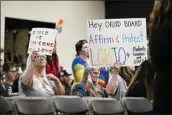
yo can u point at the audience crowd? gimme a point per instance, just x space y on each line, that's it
44 76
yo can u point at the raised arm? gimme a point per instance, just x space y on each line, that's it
112 85
26 78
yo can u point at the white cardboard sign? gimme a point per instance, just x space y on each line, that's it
123 40
42 40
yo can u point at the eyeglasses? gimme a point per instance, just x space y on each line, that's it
12 71
40 56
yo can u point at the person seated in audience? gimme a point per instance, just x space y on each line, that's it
10 73
52 66
35 81
121 86
15 87
63 76
1 50
89 85
160 30
142 84
127 73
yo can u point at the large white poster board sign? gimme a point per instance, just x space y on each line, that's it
122 40
42 40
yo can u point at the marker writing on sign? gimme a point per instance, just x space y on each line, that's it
112 24
120 55
137 23
130 38
105 56
40 32
139 52
99 39
91 24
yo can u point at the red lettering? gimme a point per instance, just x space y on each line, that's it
92 58
100 50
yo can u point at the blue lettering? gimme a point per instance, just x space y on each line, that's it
131 38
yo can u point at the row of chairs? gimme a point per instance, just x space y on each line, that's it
73 105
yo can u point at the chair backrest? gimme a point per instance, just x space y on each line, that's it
89 99
106 107
5 107
70 105
137 105
11 99
33 106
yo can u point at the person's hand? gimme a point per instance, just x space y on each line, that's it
116 68
53 78
34 56
92 92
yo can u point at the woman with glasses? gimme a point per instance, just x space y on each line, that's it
10 74
35 81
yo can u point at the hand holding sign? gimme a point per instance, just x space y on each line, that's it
116 68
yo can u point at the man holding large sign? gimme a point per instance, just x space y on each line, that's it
42 40
122 40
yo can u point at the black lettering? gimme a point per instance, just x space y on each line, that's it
112 24
91 24
46 32
139 23
107 24
40 37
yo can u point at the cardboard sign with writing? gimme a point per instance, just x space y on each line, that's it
122 40
42 40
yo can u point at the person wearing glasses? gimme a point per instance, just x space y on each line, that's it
10 73
35 81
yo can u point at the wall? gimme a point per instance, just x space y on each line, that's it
73 13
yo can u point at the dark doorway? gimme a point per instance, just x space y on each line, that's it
17 38
128 8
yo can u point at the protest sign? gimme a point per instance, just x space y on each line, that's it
123 40
42 40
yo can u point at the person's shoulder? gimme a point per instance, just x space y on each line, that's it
76 60
79 61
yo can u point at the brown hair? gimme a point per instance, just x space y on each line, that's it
126 74
78 46
8 66
145 74
159 7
